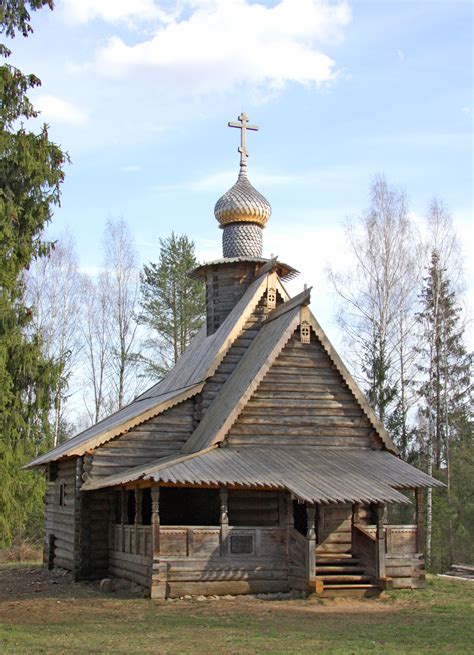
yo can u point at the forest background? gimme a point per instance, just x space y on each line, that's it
76 346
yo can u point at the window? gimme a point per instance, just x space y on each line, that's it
305 332
62 494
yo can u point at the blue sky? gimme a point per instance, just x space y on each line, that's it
140 93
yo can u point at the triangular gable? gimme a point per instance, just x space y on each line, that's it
352 384
250 372
186 379
235 393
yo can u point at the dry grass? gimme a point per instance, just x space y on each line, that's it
22 550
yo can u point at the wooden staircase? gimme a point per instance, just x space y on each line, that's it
341 574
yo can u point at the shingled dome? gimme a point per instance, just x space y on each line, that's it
242 204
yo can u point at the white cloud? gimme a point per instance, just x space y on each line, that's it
59 111
219 45
222 180
112 11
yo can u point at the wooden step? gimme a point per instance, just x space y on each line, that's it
352 580
339 568
350 591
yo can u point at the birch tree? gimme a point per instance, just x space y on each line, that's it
376 297
53 285
120 282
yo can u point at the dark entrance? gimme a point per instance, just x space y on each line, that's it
300 517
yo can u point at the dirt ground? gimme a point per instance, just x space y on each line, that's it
45 612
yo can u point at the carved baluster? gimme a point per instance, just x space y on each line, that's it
123 516
224 521
380 563
311 537
138 518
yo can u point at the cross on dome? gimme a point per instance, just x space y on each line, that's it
243 126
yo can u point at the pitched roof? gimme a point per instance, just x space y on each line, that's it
314 474
198 362
249 372
141 409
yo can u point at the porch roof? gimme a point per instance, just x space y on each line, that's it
314 474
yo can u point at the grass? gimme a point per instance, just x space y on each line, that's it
43 617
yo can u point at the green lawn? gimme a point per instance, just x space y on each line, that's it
38 616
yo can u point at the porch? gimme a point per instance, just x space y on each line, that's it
260 542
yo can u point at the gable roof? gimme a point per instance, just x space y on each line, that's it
186 379
249 372
314 474
254 365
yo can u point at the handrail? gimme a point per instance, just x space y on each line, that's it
365 533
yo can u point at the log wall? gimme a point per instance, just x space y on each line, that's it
160 436
130 553
248 560
225 286
303 400
61 519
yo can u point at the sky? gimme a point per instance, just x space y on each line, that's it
139 94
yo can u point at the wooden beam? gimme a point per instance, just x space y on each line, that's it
380 545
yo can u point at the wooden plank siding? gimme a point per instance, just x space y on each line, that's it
161 436
302 400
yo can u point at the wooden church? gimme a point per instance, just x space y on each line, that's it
255 465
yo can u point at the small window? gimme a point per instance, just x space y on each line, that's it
62 494
305 332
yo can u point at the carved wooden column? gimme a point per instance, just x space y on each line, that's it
224 521
311 537
159 569
155 521
138 518
380 551
123 516
420 524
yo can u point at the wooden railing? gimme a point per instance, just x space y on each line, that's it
297 560
207 541
133 539
400 540
364 546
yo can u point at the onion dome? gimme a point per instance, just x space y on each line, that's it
242 204
242 212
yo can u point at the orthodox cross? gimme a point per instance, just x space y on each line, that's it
243 125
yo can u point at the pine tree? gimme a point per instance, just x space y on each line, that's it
31 171
172 303
446 395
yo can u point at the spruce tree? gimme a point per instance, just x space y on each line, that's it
31 172
446 395
173 304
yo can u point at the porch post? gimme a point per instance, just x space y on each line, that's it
155 521
159 569
138 518
224 520
311 537
123 516
380 552
420 525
